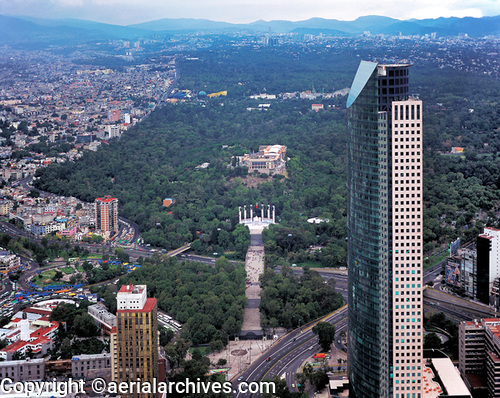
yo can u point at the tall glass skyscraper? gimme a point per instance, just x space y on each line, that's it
384 182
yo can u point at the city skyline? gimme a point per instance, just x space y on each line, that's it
124 12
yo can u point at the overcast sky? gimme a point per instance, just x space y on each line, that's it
123 12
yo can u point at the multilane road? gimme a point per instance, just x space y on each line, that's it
286 356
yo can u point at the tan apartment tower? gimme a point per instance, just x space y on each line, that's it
135 344
384 182
106 214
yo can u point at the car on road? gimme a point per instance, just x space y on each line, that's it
268 359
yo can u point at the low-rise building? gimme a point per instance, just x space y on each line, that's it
8 261
105 319
461 271
269 159
85 366
5 206
29 336
29 369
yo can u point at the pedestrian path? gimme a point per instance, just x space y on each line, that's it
254 266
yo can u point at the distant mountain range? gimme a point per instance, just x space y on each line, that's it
28 30
475 27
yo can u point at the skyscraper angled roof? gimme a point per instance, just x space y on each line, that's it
364 72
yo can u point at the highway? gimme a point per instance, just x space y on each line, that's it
287 354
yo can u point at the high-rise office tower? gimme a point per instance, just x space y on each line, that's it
488 262
106 214
135 344
384 183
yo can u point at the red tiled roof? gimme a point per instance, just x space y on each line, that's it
106 199
39 311
126 289
148 307
16 346
45 330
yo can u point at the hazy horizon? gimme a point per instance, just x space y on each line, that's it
128 12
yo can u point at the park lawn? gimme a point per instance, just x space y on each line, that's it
67 270
92 256
49 274
311 264
47 280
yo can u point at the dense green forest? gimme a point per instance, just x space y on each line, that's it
158 158
208 300
291 301
244 72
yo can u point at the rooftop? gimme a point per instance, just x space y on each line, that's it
106 199
450 377
132 289
148 307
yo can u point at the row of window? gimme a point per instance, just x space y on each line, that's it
408 271
407 140
398 71
13 374
402 286
408 367
406 361
406 299
407 251
408 160
392 82
407 374
407 209
406 188
410 353
405 125
407 279
406 292
404 112
407 146
407 230
407 223
391 91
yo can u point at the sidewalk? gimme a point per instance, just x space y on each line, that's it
240 354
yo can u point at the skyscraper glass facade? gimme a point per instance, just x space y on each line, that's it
374 233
